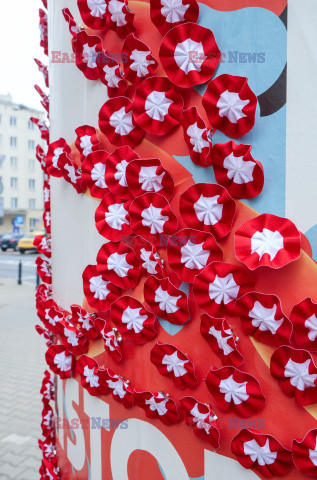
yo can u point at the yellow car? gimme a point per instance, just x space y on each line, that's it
26 242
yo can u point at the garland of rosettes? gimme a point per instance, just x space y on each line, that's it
135 216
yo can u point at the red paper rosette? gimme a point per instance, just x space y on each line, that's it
111 338
117 122
44 269
230 105
152 217
190 251
201 417
111 75
52 317
157 405
305 454
166 301
60 361
116 166
173 363
189 54
236 170
133 320
219 285
157 105
46 194
71 172
235 391
41 157
88 52
93 171
304 320
87 140
208 207
112 217
267 240
166 14
43 245
72 339
92 377
99 292
196 137
151 262
262 318
94 13
221 339
55 150
44 70
121 18
85 320
120 389
138 62
148 175
296 374
262 453
118 263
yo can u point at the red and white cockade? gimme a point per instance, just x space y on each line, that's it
151 217
93 171
46 194
88 52
190 251
60 361
118 263
236 170
166 14
92 377
262 318
223 342
85 320
43 128
120 389
52 317
74 29
41 157
201 417
110 74
267 240
149 176
87 140
133 320
304 319
219 285
55 150
261 452
151 263
47 424
116 166
138 62
230 105
45 98
235 391
196 137
208 207
121 18
112 339
75 341
94 13
304 453
71 172
43 245
99 292
47 220
157 105
44 334
44 70
173 363
296 374
157 405
189 54
166 301
44 269
112 217
117 122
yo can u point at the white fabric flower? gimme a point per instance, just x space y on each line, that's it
150 181
149 264
86 145
115 7
116 216
174 10
159 407
63 361
157 105
200 419
117 387
238 170
118 263
264 318
71 337
90 55
223 289
152 217
230 105
299 375
140 62
111 76
175 364
51 320
122 121
189 55
72 174
267 241
196 137
133 318
91 378
208 210
99 287
167 302
311 324
194 256
234 391
97 8
120 174
110 341
98 175
56 154
221 340
262 455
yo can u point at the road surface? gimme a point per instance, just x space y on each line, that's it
9 262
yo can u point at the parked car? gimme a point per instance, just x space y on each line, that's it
26 242
10 240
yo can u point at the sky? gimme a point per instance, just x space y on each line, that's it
19 44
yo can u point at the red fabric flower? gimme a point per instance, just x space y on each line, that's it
189 54
157 405
166 301
117 122
157 105
296 374
152 217
92 377
223 342
304 320
44 70
305 454
235 391
230 105
201 417
112 339
87 140
219 285
41 157
52 316
45 334
47 389
267 240
99 292
116 166
112 217
55 150
208 207
151 262
148 175
133 320
60 361
85 320
75 341
88 52
262 318
262 453
43 31
43 128
44 269
111 75
43 245
72 25
236 170
94 13
71 172
121 18
93 171
166 14
138 62
45 99
118 263
47 220
46 194
189 251
47 424
48 449
173 363
196 137
120 389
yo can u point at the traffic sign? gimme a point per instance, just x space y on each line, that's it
18 221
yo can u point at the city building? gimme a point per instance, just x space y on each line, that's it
21 177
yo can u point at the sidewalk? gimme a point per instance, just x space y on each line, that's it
21 371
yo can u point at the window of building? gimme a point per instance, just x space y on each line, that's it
30 125
13 141
33 223
31 165
14 182
14 163
31 145
32 203
13 121
31 184
14 202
